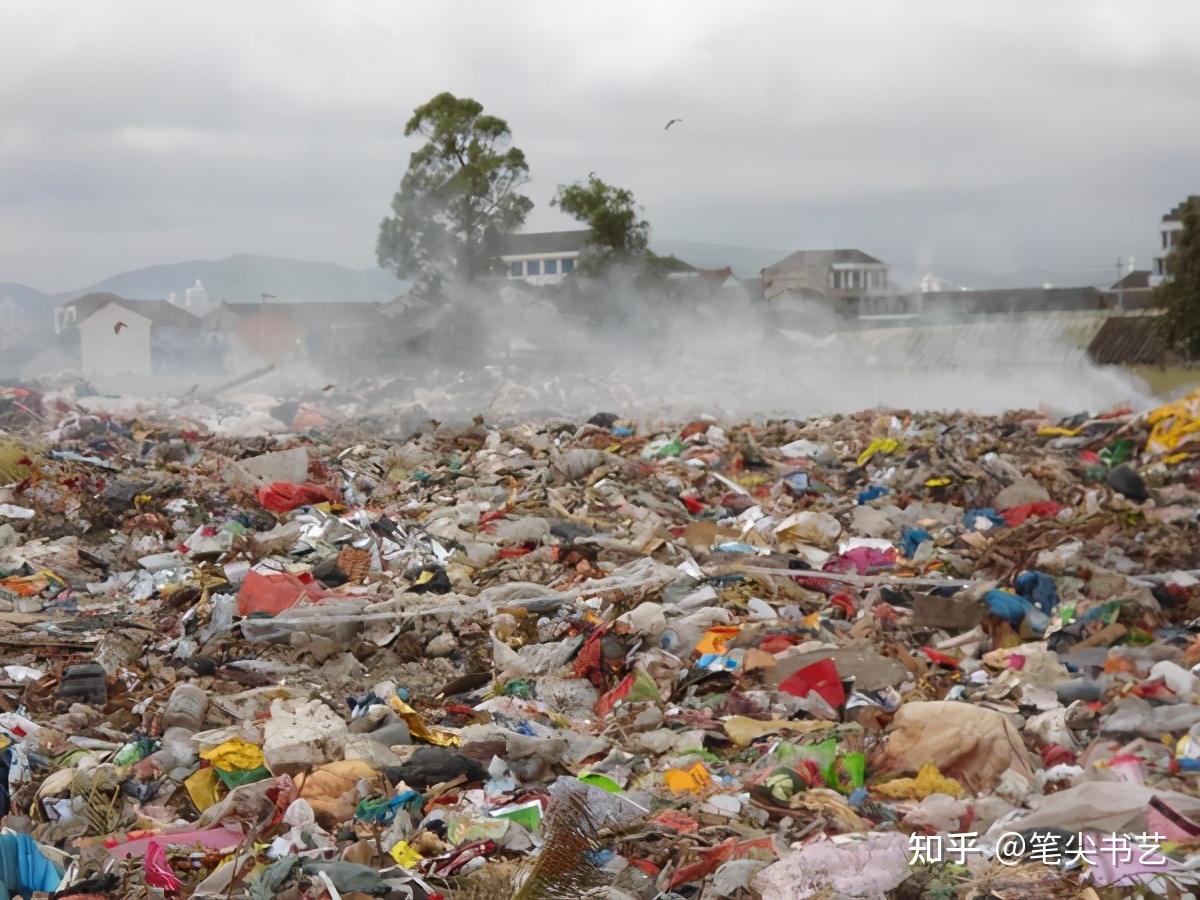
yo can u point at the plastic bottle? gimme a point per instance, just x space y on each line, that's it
186 708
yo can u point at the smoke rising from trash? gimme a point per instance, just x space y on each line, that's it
663 351
647 353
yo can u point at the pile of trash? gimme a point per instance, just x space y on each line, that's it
891 654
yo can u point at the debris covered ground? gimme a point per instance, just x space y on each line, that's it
842 657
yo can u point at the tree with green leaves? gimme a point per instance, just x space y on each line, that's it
1180 295
459 197
618 233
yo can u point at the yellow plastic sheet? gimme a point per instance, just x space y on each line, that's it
937 482
235 755
1175 425
688 781
421 729
879 445
405 856
203 786
929 780
1057 431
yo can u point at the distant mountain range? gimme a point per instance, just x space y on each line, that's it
22 295
246 277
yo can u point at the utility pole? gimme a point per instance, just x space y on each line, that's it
1120 289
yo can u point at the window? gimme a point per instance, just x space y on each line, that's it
514 270
1164 235
552 267
568 266
533 267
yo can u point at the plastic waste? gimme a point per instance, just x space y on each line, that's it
186 707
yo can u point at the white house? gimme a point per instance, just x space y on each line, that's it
546 257
133 337
1170 231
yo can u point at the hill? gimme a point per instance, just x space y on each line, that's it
22 295
247 277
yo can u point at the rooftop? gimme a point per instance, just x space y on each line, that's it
1137 280
826 258
1176 214
546 242
159 312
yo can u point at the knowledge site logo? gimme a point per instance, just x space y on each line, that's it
1052 848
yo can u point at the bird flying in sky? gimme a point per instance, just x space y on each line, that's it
672 122
117 326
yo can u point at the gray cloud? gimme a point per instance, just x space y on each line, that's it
988 136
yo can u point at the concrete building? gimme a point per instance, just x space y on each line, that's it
134 337
843 283
334 335
542 258
1170 230
835 274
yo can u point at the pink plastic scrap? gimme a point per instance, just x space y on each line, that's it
220 838
158 870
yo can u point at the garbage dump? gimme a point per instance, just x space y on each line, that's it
264 649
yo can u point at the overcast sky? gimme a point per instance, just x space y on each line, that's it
991 136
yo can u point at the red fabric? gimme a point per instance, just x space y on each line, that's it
284 496
275 593
1016 515
822 677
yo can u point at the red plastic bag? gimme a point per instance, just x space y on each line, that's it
942 659
822 677
276 593
1016 515
284 496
